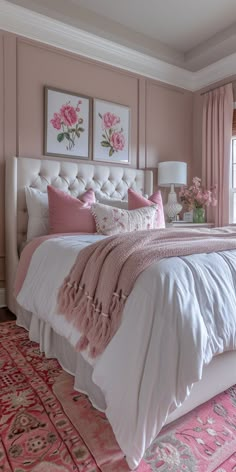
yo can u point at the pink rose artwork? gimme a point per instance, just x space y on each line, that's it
68 115
118 141
68 121
109 120
56 121
113 136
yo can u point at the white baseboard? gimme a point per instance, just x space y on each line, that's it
2 297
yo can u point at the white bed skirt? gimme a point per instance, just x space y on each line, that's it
219 375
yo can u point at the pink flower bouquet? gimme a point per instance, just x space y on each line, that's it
68 121
113 137
197 197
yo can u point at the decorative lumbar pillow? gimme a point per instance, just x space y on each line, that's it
111 220
37 207
135 200
69 214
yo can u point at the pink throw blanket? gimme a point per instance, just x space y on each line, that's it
93 294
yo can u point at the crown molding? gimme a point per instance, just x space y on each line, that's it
215 72
32 25
2 297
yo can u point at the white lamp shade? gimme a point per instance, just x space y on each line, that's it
172 172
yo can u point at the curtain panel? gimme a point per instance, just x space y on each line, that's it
216 149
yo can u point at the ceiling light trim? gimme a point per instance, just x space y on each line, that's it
33 25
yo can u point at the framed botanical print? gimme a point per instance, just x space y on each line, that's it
111 129
67 124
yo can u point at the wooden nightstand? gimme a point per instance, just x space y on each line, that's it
184 224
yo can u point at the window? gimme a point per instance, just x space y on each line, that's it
233 183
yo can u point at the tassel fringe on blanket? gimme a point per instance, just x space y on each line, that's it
93 295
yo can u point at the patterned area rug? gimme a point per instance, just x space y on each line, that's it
46 426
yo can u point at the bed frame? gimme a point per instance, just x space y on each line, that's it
109 181
74 177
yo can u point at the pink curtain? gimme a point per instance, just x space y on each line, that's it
216 149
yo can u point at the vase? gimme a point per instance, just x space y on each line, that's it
199 215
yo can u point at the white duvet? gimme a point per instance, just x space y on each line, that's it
181 312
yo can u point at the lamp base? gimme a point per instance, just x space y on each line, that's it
172 207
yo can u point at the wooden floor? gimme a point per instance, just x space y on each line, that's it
6 315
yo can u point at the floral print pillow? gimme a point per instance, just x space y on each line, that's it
111 220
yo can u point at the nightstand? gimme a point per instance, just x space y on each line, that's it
184 224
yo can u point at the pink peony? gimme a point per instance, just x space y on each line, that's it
109 120
68 115
118 141
196 182
56 121
197 197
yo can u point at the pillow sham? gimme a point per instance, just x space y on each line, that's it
68 214
135 201
37 207
87 197
112 220
38 212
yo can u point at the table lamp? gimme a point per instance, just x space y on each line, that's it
171 174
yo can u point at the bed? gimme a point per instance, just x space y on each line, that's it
94 378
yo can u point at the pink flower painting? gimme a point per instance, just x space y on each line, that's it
68 115
68 121
118 141
56 121
109 120
112 133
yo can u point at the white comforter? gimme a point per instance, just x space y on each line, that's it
181 312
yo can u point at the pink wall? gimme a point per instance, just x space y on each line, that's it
161 115
169 124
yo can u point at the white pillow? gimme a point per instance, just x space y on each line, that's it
37 206
113 202
111 220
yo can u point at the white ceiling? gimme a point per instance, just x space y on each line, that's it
181 24
188 33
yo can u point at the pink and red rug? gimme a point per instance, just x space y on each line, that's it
46 426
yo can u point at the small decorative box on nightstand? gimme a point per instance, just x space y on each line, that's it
183 224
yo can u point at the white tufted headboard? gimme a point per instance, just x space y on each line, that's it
74 177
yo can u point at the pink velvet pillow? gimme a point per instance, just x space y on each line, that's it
68 214
135 200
